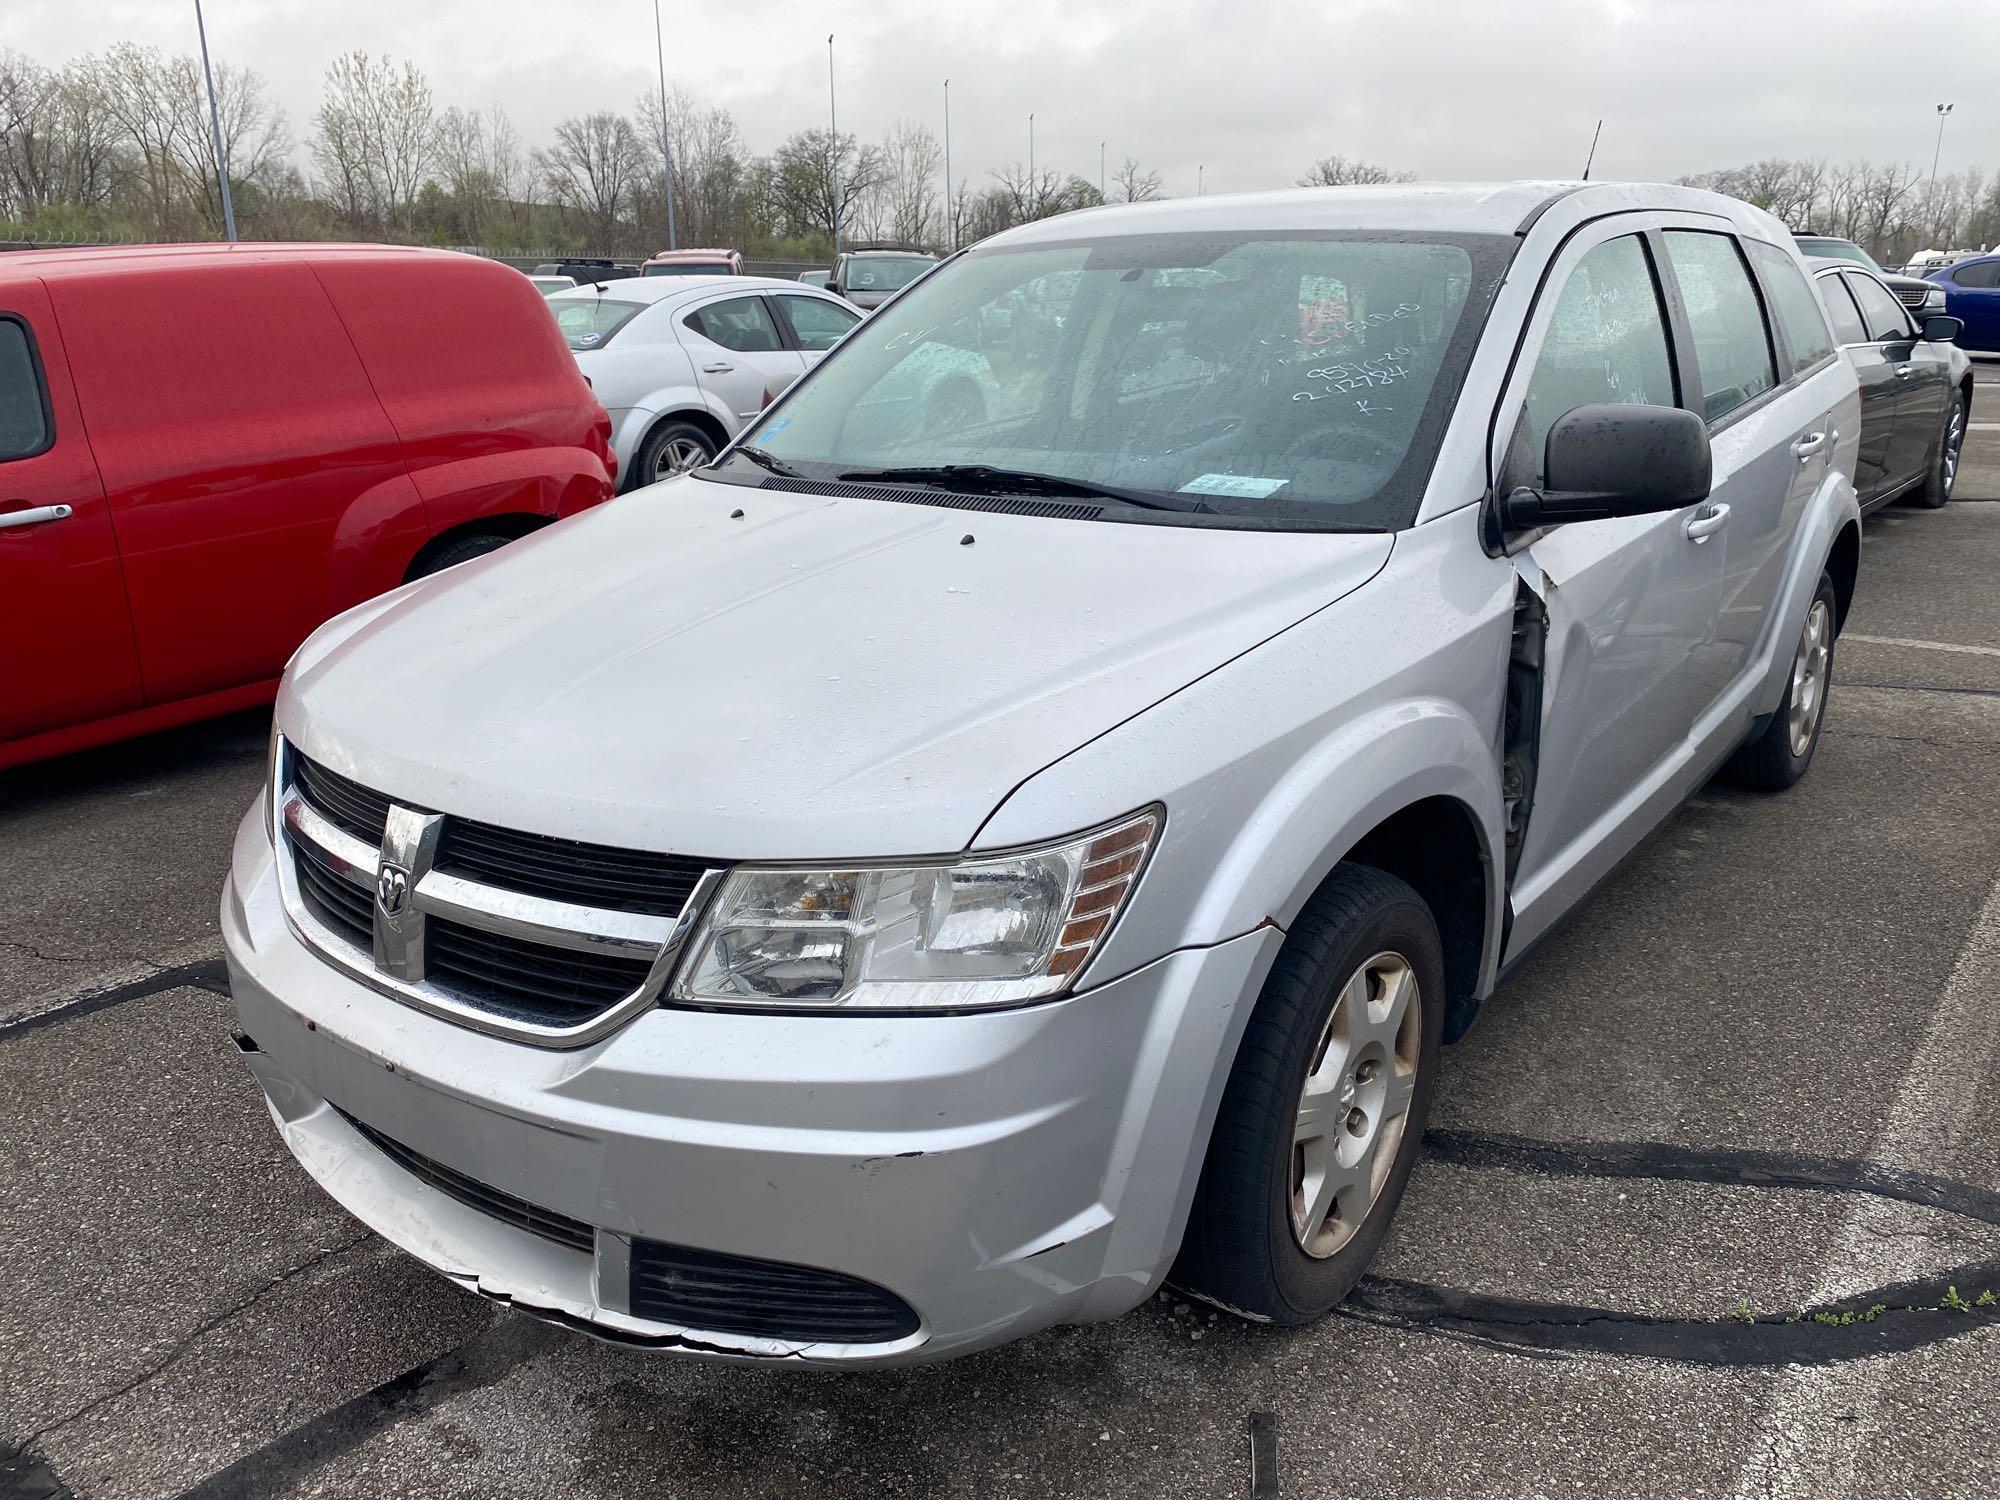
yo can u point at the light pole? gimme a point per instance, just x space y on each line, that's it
1106 197
666 138
1943 110
833 127
950 223
1198 188
215 127
1032 194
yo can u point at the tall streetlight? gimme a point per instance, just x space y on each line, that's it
1032 194
215 127
1943 110
950 223
1198 188
833 126
1106 197
666 138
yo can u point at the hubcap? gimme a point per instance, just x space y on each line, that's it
678 455
1355 1102
1954 439
1809 675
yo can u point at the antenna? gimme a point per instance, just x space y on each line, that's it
1593 150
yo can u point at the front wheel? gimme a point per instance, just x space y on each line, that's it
1779 756
671 448
1323 1114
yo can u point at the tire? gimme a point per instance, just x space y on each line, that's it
671 448
463 550
1246 1249
1944 464
1779 756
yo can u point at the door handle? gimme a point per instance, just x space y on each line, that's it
1709 520
1904 372
1808 445
35 517
717 369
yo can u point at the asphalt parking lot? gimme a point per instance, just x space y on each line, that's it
1711 1205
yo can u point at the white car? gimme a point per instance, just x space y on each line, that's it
681 363
548 286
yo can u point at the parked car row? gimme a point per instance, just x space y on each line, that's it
1042 849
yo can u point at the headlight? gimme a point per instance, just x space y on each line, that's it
991 929
1934 297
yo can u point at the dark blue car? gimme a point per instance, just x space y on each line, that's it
1972 293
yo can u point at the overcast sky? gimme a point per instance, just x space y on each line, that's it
1249 89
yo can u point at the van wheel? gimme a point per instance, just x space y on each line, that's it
671 448
1780 755
1324 1112
463 550
1944 467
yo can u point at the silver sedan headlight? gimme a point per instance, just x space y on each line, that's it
964 934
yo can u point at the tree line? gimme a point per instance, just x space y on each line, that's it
116 146
1891 211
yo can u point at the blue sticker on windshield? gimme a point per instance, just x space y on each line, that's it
778 426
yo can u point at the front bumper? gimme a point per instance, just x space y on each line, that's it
999 1172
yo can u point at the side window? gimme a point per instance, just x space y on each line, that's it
1606 343
1847 325
1880 310
1984 273
742 323
817 324
1797 308
1732 347
24 410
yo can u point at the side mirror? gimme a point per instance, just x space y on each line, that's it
1940 328
1605 461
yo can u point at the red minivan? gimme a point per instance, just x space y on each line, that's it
207 450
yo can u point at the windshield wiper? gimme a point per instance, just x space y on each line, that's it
769 461
985 479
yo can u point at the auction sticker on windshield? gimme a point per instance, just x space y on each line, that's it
1247 486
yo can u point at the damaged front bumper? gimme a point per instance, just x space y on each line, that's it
997 1173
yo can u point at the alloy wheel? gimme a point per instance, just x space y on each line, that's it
1356 1100
1809 676
1954 439
677 456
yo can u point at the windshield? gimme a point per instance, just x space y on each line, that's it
885 273
590 322
688 268
1290 379
1839 250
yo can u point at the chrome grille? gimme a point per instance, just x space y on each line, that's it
1912 296
549 940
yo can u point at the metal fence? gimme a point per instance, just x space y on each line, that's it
520 260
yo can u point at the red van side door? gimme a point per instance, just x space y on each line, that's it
66 653
252 475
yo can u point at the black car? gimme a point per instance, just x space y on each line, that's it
584 272
1916 387
1921 297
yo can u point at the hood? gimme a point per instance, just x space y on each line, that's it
817 678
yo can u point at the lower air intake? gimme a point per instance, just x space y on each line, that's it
702 1290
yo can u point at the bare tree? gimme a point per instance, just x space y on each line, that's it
711 166
1132 183
375 138
912 161
815 174
1338 171
592 168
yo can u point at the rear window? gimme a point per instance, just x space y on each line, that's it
592 322
1732 347
24 421
1797 309
885 274
689 268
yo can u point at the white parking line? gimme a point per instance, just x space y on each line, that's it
1819 1416
1896 640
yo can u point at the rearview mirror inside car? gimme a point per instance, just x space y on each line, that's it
1943 329
1605 461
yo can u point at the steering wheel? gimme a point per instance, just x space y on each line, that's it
1384 449
1213 430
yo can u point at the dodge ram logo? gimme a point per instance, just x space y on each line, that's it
392 889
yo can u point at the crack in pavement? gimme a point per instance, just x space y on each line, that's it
187 1342
210 974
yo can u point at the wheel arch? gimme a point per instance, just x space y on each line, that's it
695 416
511 525
1843 565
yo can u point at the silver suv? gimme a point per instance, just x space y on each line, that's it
950 866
